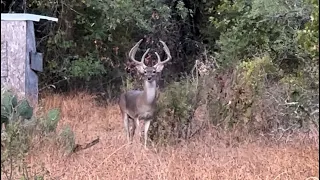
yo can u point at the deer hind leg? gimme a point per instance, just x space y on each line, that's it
146 128
126 126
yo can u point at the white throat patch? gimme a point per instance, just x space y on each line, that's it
150 88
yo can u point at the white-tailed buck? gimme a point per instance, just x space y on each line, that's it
138 105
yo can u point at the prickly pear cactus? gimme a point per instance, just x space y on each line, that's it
24 110
52 119
8 103
12 109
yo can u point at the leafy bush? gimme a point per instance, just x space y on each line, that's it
176 106
308 39
257 96
86 68
15 143
252 28
233 96
67 139
302 103
309 36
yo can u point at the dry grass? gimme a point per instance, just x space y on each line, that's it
204 157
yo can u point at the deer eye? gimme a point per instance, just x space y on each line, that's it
145 71
154 71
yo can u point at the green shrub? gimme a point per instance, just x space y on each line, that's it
233 100
175 111
309 36
67 139
252 28
257 96
302 102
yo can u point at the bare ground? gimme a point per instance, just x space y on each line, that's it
212 155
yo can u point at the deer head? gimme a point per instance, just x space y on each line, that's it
149 73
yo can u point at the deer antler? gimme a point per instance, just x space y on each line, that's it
144 55
133 51
167 51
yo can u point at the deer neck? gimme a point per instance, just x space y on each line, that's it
149 92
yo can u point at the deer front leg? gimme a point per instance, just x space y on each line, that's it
137 123
132 132
146 128
126 126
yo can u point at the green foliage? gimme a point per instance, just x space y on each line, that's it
11 108
302 101
51 120
24 109
254 71
309 36
8 102
236 104
178 97
175 111
119 12
15 143
251 28
53 115
67 139
308 39
83 44
18 136
86 68
257 96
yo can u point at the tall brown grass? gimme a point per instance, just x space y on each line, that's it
212 154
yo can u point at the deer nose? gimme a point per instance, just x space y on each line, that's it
149 78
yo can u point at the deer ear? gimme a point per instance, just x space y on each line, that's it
159 67
140 69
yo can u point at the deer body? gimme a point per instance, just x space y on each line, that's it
140 105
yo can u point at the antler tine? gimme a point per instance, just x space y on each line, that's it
167 51
159 59
144 55
133 51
